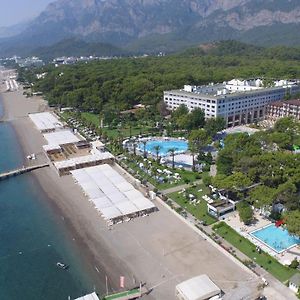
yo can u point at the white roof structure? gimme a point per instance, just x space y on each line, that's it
76 161
61 137
48 148
45 121
197 288
111 194
184 159
92 296
97 144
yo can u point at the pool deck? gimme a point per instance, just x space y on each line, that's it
285 257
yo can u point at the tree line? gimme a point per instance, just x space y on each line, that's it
118 84
266 162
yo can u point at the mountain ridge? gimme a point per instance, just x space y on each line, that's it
132 23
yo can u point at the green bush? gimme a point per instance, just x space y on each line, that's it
206 179
294 264
186 180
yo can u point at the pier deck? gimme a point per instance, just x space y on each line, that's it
22 170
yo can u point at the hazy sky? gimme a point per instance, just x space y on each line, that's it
15 11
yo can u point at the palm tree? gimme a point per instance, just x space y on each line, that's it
193 150
172 152
157 149
120 140
134 144
144 146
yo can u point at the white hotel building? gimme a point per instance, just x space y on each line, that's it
237 101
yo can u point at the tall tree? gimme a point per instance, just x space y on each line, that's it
144 148
157 149
172 152
245 212
196 119
292 219
262 196
214 125
194 150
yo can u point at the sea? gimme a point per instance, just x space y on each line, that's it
33 238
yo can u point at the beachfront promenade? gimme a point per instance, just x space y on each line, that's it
20 171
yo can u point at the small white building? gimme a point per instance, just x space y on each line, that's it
197 288
294 283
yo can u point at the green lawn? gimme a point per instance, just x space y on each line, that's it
200 210
266 261
92 118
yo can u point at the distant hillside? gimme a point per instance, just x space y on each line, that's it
75 47
161 25
236 48
13 30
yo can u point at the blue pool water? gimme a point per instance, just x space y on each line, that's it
165 146
278 239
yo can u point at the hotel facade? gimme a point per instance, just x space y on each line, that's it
237 101
280 109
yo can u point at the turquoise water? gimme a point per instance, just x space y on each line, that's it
33 238
165 146
278 239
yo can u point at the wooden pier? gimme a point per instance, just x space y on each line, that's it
20 171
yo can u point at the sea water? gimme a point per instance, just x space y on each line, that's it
33 238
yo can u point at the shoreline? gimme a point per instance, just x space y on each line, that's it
57 202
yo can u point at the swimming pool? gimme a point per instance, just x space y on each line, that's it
165 145
278 239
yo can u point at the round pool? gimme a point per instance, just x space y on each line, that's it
180 146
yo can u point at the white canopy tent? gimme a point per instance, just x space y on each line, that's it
61 137
45 121
112 195
197 288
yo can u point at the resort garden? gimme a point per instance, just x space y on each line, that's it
156 168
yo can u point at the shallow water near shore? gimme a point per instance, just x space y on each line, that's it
33 238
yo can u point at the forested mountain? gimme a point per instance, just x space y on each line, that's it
75 47
117 84
165 25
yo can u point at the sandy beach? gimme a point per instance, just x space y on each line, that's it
159 250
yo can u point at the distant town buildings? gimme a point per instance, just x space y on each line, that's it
279 109
71 60
237 101
29 62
